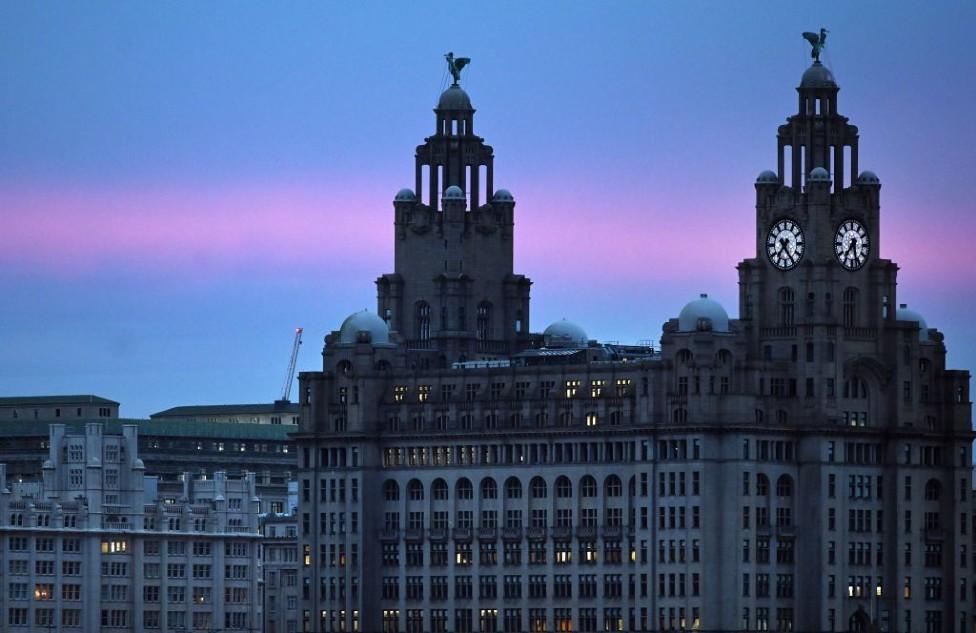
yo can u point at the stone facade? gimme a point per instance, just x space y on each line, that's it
91 548
282 588
806 466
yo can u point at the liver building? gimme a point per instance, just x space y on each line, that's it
804 467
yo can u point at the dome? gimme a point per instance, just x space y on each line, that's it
819 174
453 193
503 195
565 334
904 314
139 464
352 329
868 178
454 99
703 314
768 177
405 195
48 465
818 76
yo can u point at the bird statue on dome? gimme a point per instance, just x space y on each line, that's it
455 64
817 42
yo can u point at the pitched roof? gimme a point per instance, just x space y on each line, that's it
19 401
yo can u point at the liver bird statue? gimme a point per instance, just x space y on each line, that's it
455 64
817 42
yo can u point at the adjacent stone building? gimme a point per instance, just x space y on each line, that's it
170 448
805 466
92 547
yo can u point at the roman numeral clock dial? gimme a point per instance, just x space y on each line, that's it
851 244
785 244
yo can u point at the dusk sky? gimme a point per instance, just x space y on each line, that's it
182 184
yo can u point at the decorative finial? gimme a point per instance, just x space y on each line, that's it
455 64
817 42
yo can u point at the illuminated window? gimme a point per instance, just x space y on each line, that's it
572 386
591 419
596 388
399 393
114 547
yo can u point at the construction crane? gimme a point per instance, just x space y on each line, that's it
290 378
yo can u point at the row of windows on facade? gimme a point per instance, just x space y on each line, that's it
492 421
584 452
539 620
522 390
587 550
558 586
679 551
602 452
177 594
483 323
537 488
668 619
120 618
103 412
120 546
868 554
670 517
786 303
153 444
22 567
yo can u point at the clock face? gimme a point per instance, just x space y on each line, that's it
851 244
785 244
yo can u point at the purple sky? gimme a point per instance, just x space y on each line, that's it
181 185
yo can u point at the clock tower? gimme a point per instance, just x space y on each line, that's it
817 274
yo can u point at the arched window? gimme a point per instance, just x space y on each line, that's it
723 358
564 487
933 490
786 314
612 486
484 321
683 356
489 489
587 486
680 416
463 489
762 485
439 489
782 417
415 490
423 321
391 490
784 486
539 489
850 307
513 488
759 416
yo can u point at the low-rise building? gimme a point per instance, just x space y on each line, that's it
57 408
277 412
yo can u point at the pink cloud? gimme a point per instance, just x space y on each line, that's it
578 235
